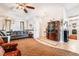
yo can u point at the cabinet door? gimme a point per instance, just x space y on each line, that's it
54 28
51 25
57 25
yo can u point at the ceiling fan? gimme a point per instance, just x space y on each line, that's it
24 6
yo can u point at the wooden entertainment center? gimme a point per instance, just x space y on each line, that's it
53 30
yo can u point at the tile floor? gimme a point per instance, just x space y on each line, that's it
72 45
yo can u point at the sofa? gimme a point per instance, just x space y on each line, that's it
13 35
18 34
9 49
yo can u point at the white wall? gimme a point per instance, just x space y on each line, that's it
1 23
74 11
16 25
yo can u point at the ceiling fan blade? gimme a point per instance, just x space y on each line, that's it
30 7
25 11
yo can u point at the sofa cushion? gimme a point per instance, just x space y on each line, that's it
9 46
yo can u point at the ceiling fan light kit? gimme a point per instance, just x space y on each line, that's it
24 6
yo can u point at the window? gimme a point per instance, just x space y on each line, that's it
7 25
22 25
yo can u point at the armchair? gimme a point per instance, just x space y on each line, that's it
10 48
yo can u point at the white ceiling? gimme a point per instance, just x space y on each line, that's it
8 7
68 6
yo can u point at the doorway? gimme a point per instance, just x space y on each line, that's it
73 29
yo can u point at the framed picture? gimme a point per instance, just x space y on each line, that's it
74 31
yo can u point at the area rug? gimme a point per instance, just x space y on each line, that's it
31 47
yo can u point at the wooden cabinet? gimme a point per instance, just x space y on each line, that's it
53 30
